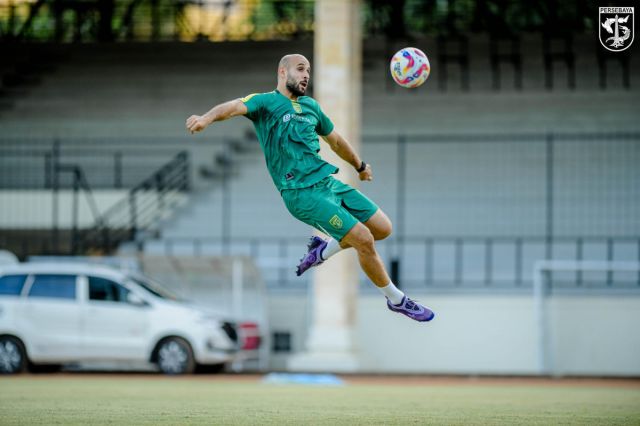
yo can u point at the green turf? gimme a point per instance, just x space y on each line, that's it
208 400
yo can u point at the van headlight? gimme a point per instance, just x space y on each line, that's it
211 344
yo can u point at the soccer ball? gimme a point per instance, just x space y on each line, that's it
409 67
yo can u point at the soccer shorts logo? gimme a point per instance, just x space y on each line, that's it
336 222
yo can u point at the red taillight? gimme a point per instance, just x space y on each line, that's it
250 336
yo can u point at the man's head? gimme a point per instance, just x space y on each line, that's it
294 72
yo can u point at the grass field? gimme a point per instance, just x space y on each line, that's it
211 400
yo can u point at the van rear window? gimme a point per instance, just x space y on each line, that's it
54 286
12 284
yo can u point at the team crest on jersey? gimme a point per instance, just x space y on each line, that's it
616 28
336 222
296 107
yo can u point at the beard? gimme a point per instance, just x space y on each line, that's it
294 87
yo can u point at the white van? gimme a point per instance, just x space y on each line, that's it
58 313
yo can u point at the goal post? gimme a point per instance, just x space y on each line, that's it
540 268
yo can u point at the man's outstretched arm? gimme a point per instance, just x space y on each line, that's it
197 123
345 151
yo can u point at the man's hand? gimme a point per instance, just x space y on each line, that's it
196 123
366 174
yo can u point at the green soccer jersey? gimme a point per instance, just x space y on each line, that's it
288 133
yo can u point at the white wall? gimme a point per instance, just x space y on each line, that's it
484 334
33 209
470 334
595 335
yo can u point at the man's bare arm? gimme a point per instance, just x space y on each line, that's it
345 151
197 123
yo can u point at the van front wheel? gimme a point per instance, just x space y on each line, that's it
13 357
176 357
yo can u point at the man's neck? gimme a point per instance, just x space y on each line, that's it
287 93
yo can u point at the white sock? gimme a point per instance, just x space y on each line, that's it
392 293
332 248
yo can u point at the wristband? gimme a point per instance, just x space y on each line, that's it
362 167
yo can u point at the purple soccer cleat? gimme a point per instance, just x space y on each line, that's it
412 309
312 258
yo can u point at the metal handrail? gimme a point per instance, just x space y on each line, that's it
122 221
79 182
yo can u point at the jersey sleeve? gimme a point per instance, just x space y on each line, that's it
325 125
254 104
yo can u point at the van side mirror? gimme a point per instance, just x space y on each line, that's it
136 300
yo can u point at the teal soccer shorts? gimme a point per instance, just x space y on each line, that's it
330 206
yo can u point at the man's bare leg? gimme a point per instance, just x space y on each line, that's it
379 225
361 239
320 250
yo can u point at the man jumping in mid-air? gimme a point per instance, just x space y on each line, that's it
288 124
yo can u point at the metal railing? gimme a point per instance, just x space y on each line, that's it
29 164
79 182
443 263
539 172
536 171
144 206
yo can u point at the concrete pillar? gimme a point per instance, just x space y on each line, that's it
337 75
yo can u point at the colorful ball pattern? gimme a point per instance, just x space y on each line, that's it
410 67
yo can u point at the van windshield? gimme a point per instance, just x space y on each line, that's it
154 288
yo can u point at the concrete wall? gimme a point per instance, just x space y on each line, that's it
478 334
595 335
